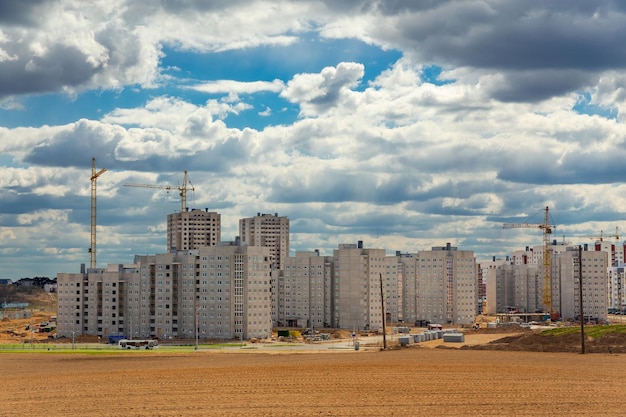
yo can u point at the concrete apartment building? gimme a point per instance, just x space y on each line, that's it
565 278
190 230
615 287
93 302
406 271
519 284
446 285
514 288
356 295
614 250
224 289
302 291
516 283
500 282
344 290
318 291
270 231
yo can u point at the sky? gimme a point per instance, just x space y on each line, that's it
403 124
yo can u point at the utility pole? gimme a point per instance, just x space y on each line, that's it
382 304
197 323
580 294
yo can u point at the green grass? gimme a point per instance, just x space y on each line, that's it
591 331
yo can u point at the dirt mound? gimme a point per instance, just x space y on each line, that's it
497 330
537 342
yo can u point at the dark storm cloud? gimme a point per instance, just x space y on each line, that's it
23 200
177 6
60 66
337 186
326 221
533 86
561 216
575 168
574 39
19 12
385 7
525 34
76 147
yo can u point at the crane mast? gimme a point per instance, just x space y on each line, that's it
546 227
182 189
94 176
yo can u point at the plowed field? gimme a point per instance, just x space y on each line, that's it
404 382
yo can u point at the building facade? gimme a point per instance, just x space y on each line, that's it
303 291
406 293
216 292
344 290
616 298
566 276
193 229
270 231
447 285
518 285
356 294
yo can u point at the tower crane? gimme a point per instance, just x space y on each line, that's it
94 176
182 189
546 228
601 237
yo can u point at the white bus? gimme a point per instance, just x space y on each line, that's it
138 344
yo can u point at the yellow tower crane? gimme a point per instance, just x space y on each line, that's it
182 190
94 176
601 237
546 227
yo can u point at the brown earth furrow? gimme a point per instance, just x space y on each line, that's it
401 382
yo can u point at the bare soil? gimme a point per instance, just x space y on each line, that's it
535 342
403 382
495 372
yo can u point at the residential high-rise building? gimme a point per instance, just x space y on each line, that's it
407 287
94 301
616 294
348 287
614 250
356 295
270 231
190 230
500 281
302 291
221 292
519 284
565 276
446 285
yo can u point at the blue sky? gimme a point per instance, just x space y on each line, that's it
403 124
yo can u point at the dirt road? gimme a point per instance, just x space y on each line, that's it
403 382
